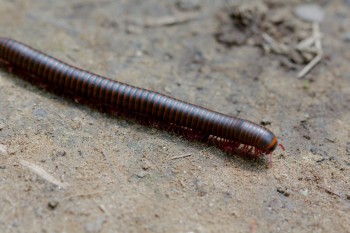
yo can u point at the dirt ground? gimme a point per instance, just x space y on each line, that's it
65 167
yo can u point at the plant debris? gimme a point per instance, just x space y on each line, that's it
276 30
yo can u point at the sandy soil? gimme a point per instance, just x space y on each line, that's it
68 168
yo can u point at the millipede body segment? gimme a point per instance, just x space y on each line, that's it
129 98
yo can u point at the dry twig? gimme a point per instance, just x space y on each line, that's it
110 164
180 156
166 21
328 191
43 174
316 41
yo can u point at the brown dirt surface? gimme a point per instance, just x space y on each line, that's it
65 167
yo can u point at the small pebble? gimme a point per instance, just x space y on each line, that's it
146 166
3 149
265 122
167 57
283 191
280 189
167 89
188 5
142 174
133 29
2 125
304 192
310 12
41 113
61 153
96 225
348 148
52 204
346 38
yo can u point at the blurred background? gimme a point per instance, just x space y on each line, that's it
284 64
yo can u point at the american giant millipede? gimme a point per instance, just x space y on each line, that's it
231 131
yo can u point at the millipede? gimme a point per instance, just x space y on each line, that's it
231 133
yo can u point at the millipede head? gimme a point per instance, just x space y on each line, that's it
272 146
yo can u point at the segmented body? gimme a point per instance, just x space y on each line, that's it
138 100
